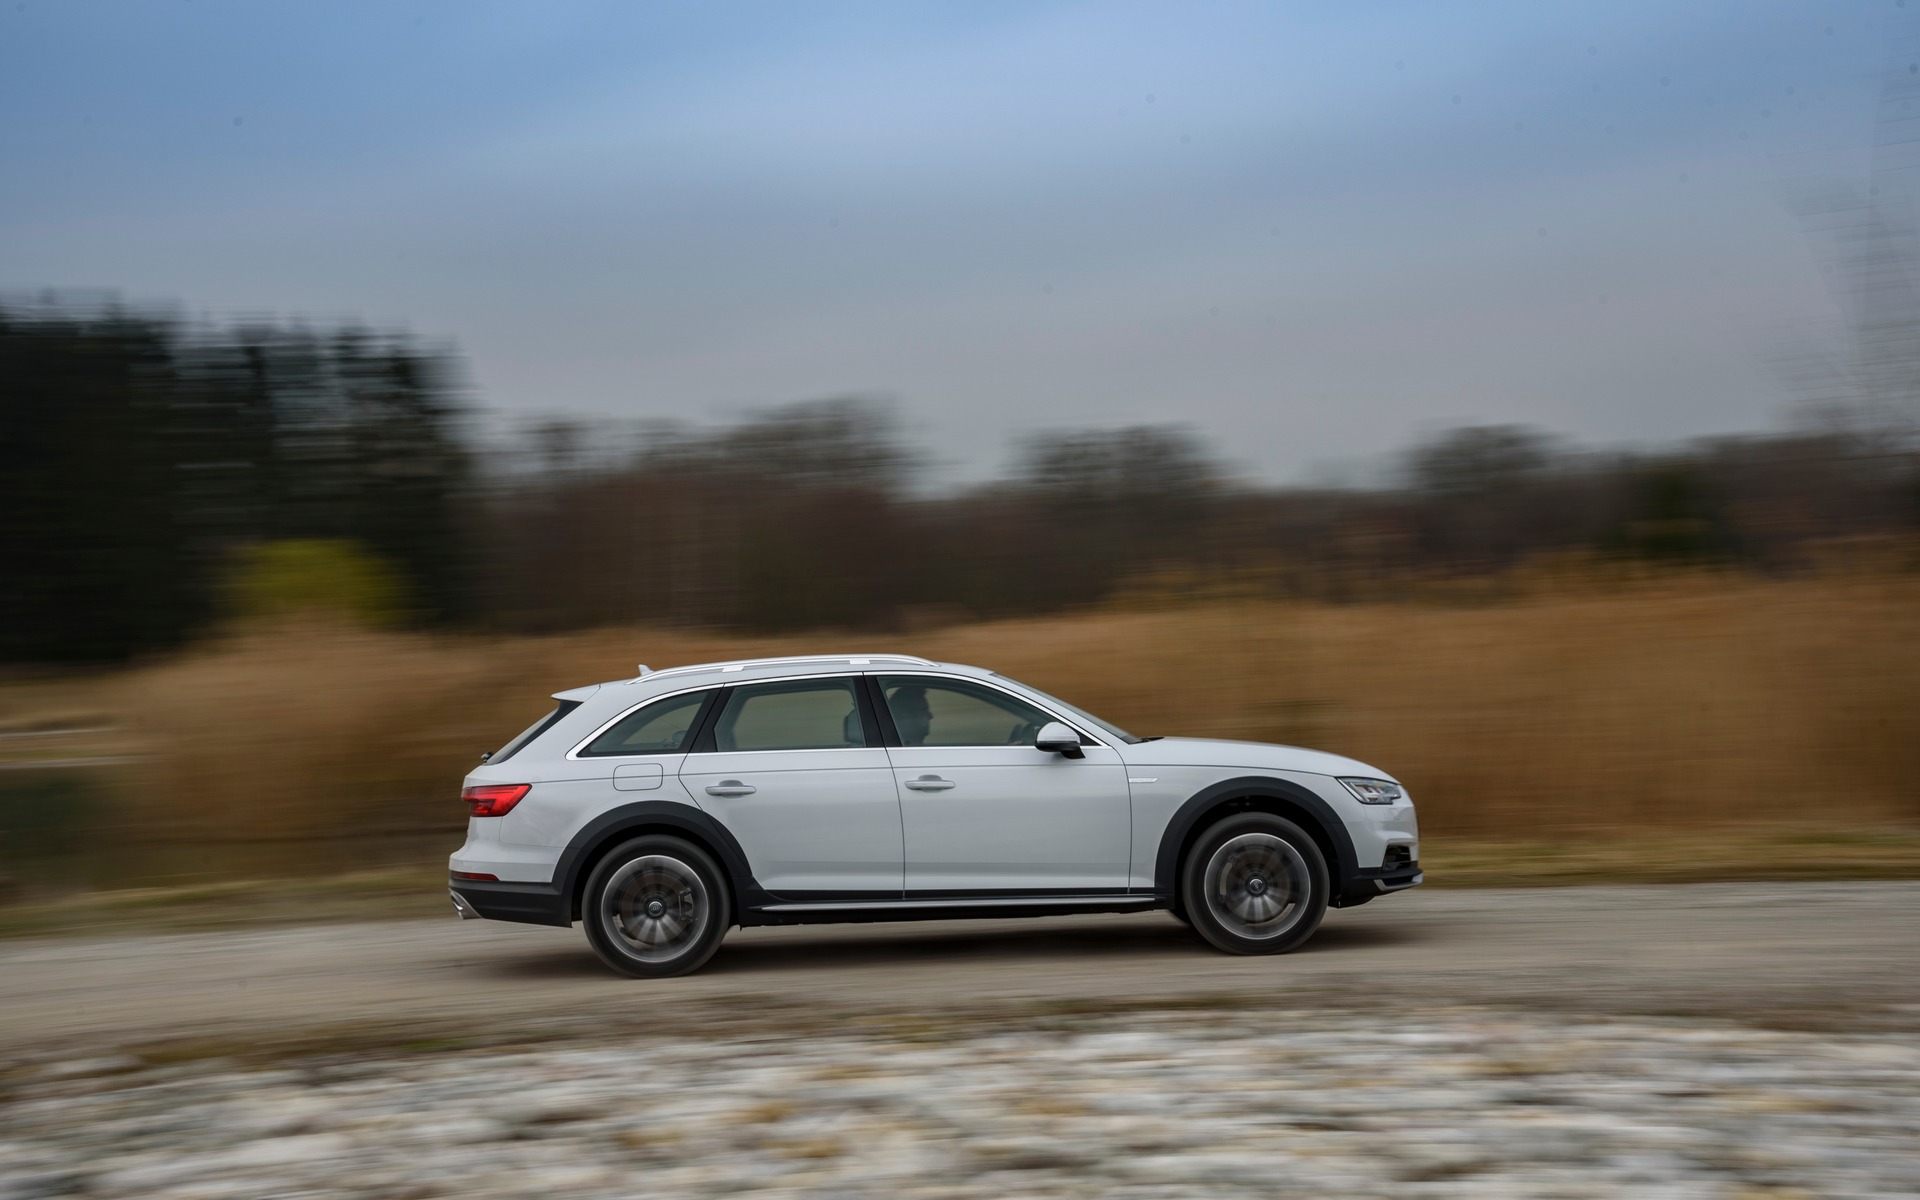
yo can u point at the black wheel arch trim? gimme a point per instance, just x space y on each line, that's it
1219 799
613 826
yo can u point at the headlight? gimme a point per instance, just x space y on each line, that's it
1375 791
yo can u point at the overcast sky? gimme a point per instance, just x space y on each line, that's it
1315 231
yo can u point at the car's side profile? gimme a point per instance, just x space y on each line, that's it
661 811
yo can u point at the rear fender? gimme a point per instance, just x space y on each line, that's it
616 825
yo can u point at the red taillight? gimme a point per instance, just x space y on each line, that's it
476 876
494 799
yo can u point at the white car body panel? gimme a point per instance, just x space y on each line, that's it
486 854
842 820
818 820
1014 818
562 807
1217 752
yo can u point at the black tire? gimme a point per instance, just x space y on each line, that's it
1254 884
655 906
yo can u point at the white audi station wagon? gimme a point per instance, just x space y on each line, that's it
663 810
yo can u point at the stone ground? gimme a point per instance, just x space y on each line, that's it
1427 1101
1711 1041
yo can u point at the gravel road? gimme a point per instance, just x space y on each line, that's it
1727 1042
1701 948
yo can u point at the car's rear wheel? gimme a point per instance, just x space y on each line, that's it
1255 884
655 906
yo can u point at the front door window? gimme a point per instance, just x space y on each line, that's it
929 712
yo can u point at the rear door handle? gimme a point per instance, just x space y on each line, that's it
929 783
730 787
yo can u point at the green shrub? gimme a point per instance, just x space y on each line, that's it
335 577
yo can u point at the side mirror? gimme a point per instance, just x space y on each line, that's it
1056 738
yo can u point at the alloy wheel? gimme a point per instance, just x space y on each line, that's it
1257 885
657 906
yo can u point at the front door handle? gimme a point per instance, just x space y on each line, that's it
730 787
929 783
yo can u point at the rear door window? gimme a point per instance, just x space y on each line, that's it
812 714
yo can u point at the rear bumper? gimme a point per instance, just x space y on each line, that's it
528 903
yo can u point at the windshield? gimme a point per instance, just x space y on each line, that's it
1081 714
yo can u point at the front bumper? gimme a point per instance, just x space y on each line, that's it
1379 881
1395 879
528 903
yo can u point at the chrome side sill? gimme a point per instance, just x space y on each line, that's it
963 902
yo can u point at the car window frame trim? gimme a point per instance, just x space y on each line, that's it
875 719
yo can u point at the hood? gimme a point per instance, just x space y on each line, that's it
1259 756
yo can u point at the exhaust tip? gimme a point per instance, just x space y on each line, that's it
467 911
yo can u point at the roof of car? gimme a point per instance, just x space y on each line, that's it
761 668
829 662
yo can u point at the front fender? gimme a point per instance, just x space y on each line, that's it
1281 795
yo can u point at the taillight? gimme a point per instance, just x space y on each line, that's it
494 799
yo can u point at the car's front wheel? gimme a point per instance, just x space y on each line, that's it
655 906
1255 884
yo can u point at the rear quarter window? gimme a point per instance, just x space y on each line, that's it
662 727
533 731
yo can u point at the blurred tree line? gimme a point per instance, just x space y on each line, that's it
158 478
141 459
800 518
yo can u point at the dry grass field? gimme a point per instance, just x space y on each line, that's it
1698 711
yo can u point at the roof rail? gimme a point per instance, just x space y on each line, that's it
856 660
